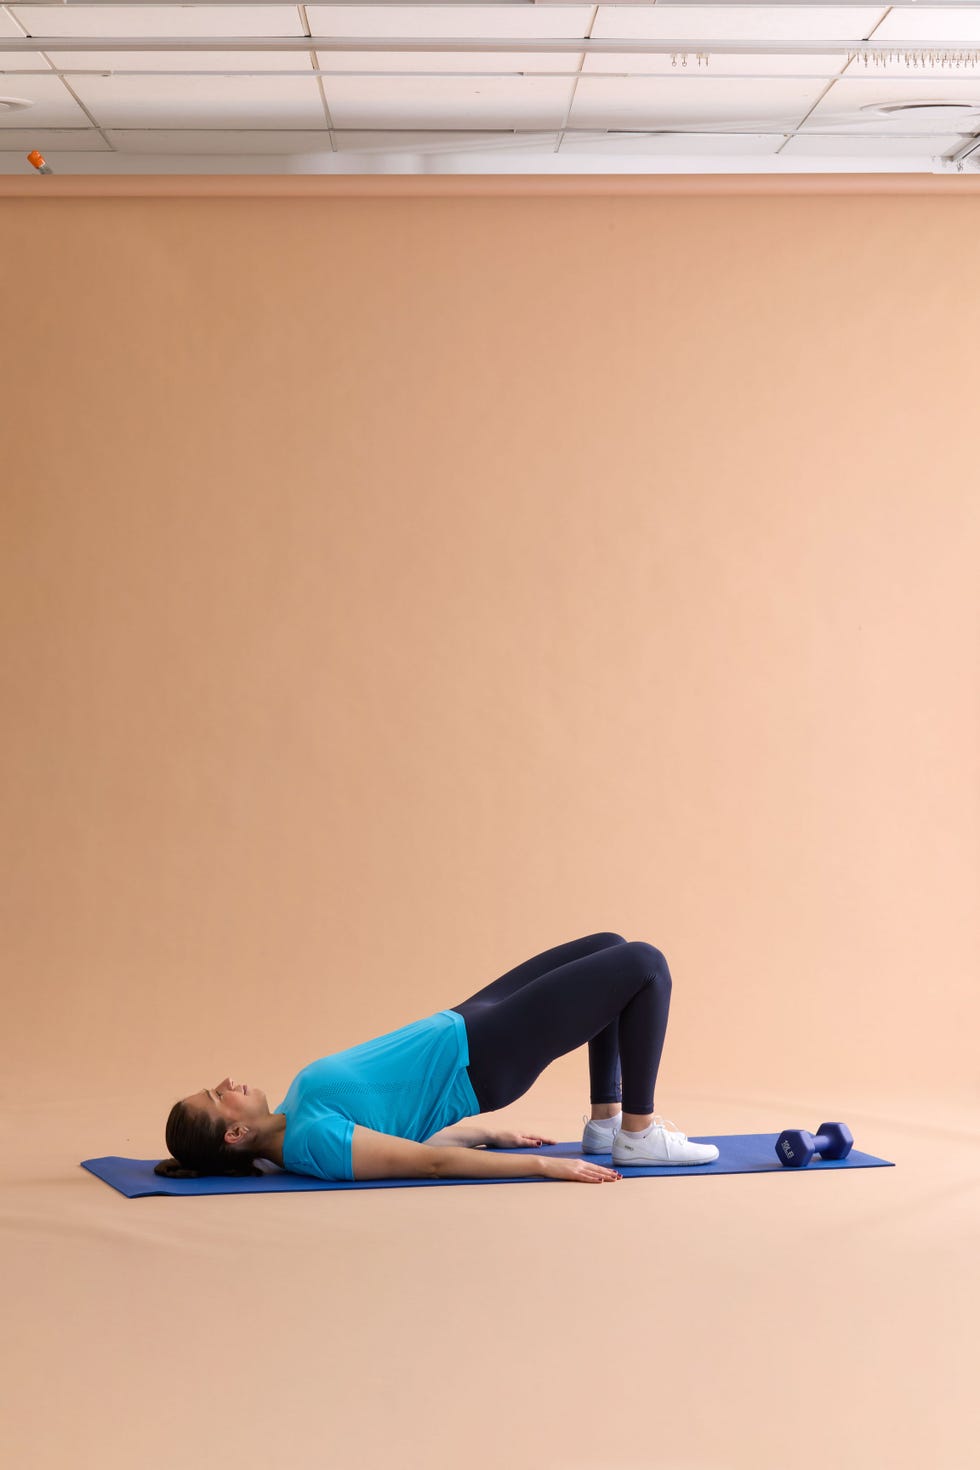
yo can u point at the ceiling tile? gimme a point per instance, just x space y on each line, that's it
184 62
933 24
674 145
232 142
607 103
447 102
53 105
511 63
65 140
200 102
804 147
539 22
715 65
159 20
736 22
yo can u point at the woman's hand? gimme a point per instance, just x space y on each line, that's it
578 1171
506 1139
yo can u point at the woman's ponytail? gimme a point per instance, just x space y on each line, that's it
174 1169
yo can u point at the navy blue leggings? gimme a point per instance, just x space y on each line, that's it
605 990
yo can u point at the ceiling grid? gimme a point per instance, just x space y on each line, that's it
510 87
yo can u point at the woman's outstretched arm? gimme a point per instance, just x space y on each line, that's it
385 1156
464 1136
463 1163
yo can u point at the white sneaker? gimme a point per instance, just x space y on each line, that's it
597 1137
660 1145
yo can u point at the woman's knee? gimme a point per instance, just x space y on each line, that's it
653 960
606 940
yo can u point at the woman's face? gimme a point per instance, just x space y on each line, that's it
232 1102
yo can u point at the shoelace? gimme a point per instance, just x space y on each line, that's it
659 1121
673 1130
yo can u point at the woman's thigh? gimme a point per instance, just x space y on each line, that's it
540 964
513 1038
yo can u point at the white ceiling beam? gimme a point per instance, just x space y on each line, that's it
876 78
410 44
970 141
539 5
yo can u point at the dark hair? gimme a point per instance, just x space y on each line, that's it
197 1142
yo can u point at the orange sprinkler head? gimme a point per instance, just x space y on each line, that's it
37 159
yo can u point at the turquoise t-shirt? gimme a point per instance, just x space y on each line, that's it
410 1083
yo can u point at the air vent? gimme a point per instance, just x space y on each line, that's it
946 114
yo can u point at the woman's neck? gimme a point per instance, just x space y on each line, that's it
271 1141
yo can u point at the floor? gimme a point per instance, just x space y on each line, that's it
753 1322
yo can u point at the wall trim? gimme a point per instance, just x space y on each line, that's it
275 186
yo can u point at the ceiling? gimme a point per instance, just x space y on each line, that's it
511 87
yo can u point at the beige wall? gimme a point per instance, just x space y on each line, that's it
395 587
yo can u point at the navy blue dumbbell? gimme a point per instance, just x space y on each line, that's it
795 1148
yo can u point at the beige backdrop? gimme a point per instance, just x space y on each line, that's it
392 589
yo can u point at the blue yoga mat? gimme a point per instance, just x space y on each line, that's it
738 1153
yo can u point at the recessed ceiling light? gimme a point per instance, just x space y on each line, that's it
14 104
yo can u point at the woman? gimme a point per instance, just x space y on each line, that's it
385 1109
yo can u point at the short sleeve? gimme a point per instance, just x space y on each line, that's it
328 1144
